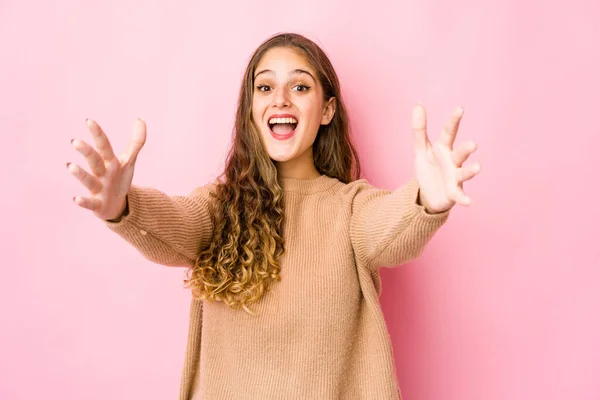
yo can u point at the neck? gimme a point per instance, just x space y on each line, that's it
302 167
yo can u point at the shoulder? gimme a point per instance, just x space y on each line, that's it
358 189
361 193
204 192
355 195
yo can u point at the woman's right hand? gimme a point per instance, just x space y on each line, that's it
110 178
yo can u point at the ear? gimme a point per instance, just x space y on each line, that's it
328 111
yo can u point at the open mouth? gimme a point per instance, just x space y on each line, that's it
283 127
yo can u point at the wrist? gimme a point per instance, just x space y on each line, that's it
123 213
428 209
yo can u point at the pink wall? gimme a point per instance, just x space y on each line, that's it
504 302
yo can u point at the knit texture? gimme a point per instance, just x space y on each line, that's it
320 332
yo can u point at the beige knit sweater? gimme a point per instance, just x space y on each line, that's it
319 333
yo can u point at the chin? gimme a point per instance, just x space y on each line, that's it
280 152
278 157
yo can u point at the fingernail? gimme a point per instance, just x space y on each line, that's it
68 164
74 199
72 140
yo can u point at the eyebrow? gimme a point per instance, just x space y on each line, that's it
296 71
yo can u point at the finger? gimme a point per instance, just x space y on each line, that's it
102 143
85 202
419 125
451 129
137 141
89 181
94 160
466 173
460 197
462 152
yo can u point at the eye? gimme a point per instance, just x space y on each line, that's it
263 88
301 88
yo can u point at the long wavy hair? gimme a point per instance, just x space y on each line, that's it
243 258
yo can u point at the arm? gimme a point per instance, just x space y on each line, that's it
391 228
168 230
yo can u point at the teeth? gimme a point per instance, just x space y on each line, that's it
273 121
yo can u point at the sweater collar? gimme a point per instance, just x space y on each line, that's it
308 186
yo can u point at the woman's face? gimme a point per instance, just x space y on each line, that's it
288 106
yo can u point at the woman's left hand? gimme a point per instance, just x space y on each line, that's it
439 169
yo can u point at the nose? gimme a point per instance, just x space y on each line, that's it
281 97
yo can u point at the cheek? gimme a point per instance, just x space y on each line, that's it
254 110
314 112
258 110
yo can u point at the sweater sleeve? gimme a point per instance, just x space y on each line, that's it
389 228
167 230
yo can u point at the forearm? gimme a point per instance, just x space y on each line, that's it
169 230
392 228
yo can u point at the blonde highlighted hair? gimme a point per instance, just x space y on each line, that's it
248 208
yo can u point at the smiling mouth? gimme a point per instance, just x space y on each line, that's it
283 128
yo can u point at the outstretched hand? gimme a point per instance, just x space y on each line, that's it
439 168
111 176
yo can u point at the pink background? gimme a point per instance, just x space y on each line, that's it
504 302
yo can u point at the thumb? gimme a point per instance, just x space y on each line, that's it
137 140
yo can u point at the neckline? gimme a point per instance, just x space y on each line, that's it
307 186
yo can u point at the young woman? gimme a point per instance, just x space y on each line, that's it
283 250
